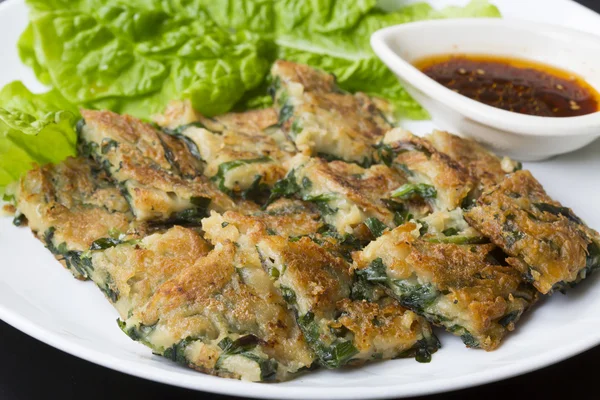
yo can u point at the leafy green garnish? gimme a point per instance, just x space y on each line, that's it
375 226
556 210
332 355
34 129
411 191
413 295
105 243
285 187
135 57
375 272
459 239
319 198
225 167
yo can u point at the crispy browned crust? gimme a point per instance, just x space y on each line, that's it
353 121
425 162
251 136
484 167
355 115
318 286
486 290
322 281
311 79
384 328
216 297
366 189
180 112
548 248
467 278
176 114
285 217
134 271
157 170
281 278
248 122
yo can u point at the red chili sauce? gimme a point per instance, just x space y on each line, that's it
516 85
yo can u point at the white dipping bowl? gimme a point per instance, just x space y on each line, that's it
523 137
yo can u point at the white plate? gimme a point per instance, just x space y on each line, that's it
41 299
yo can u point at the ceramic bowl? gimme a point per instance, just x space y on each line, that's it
523 137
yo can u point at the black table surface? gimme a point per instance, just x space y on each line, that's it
30 369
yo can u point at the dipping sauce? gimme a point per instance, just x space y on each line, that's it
517 85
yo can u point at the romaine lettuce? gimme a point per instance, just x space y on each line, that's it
34 129
134 56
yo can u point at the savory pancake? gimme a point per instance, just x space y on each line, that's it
218 312
159 174
546 241
346 194
323 120
339 329
243 152
485 168
70 205
432 175
462 287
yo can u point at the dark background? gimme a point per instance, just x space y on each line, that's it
30 369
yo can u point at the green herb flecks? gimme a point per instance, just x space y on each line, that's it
285 187
288 294
509 318
556 210
375 272
73 259
401 212
375 226
459 239
244 346
286 112
178 133
330 356
107 145
105 243
225 167
257 191
415 296
177 351
139 333
410 191
321 201
19 219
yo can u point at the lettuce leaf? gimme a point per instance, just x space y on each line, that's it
34 129
136 59
134 56
347 52
334 36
